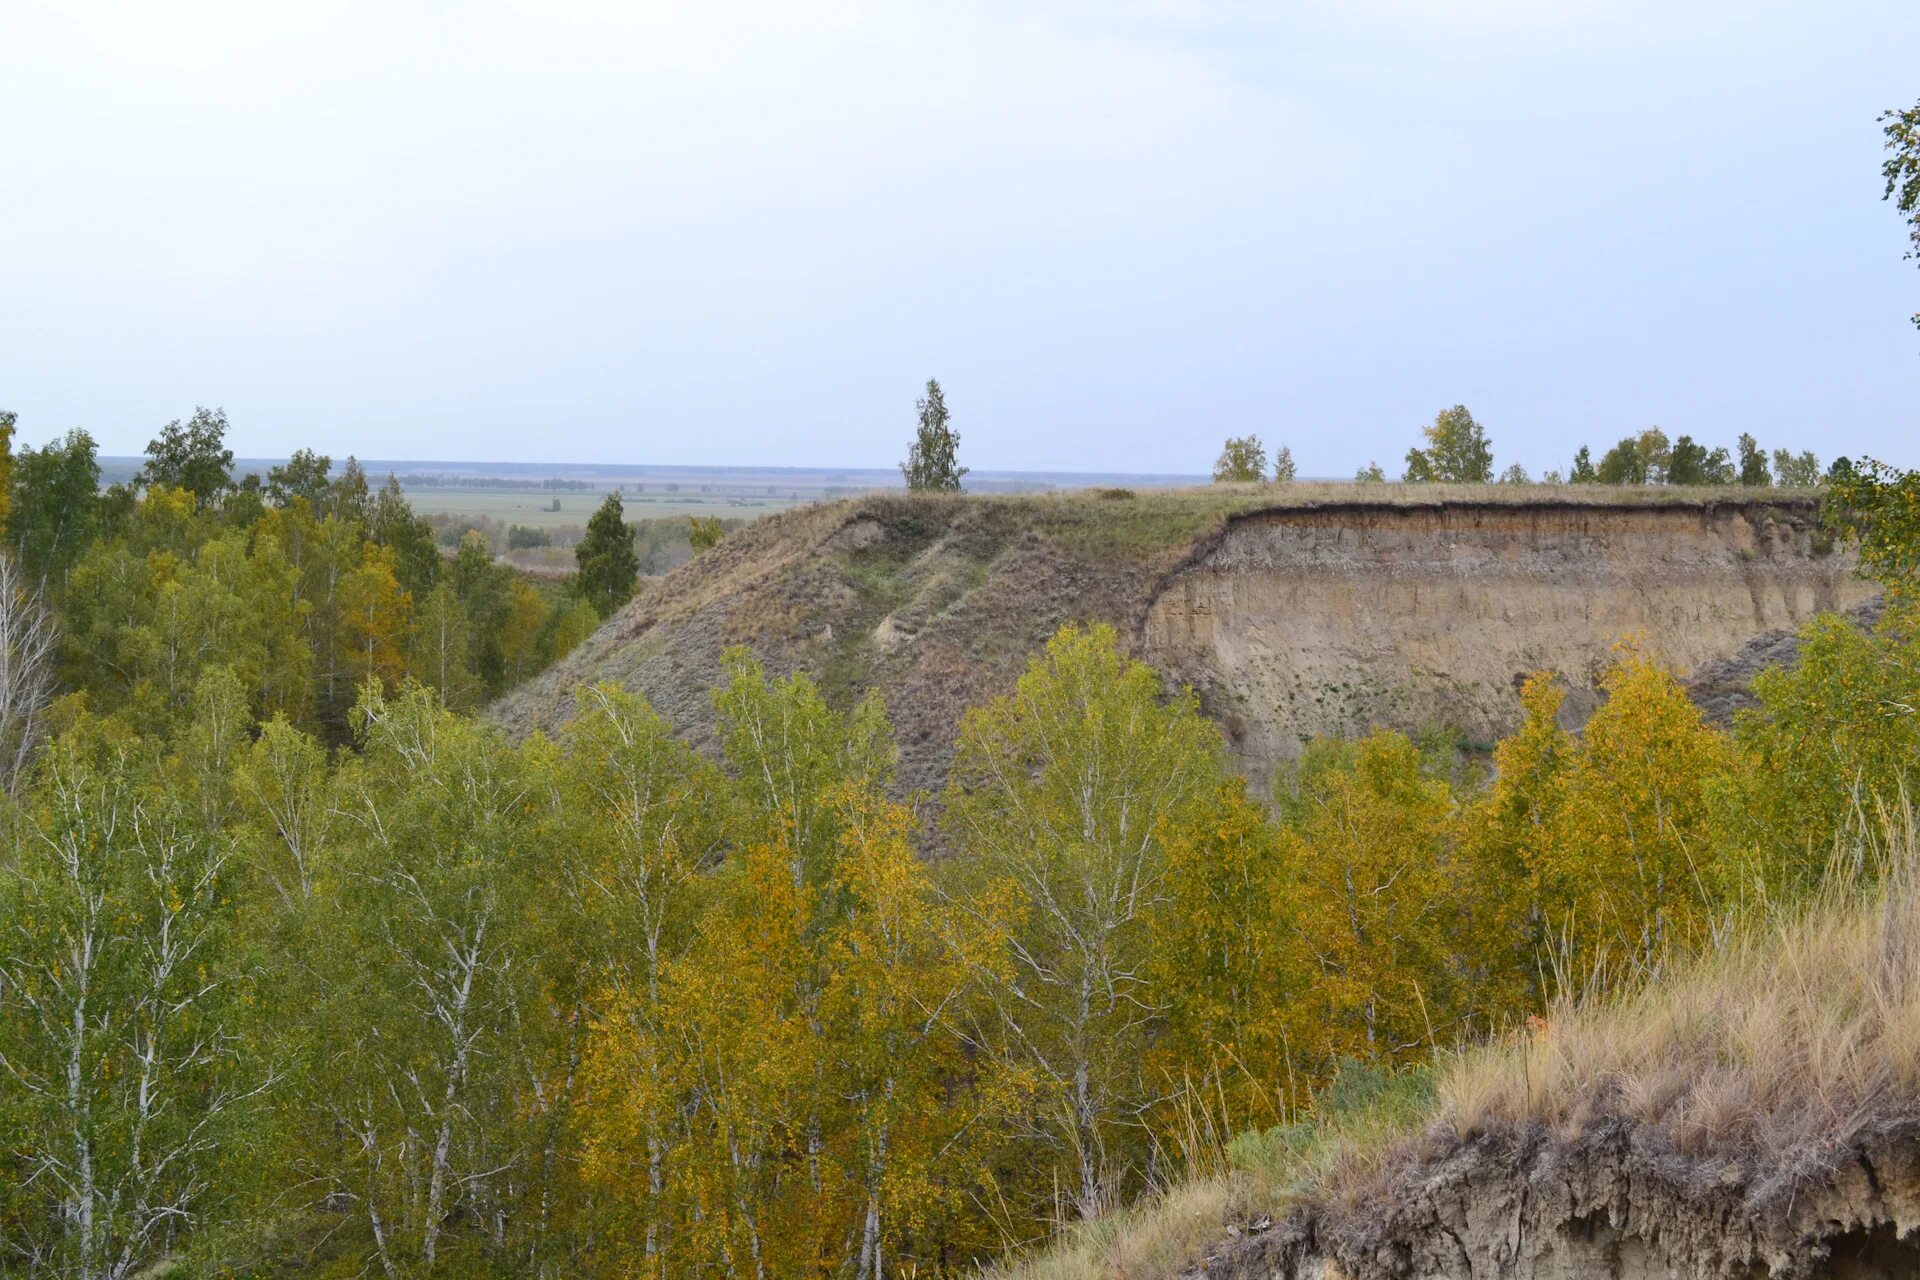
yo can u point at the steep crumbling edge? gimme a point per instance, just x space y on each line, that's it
1617 1202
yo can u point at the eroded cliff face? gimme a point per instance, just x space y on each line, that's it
1331 620
1616 1203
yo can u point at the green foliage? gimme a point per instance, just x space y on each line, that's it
503 621
1695 464
519 538
933 460
1719 467
442 649
1370 474
305 475
8 420
1835 736
1583 471
1640 459
608 566
1457 450
1242 460
1687 462
570 623
1062 794
128 1082
1796 470
444 1004
348 496
704 533
1363 1103
423 965
393 525
1901 170
1373 832
1880 506
1283 466
192 456
56 504
791 752
1754 472
301 600
1232 965
1515 474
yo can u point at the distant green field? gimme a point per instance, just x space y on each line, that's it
531 507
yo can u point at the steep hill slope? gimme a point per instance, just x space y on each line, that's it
1293 612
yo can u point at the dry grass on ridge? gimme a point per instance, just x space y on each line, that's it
1765 1059
1797 1035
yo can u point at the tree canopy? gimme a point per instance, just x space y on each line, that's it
1242 460
608 564
192 456
1457 450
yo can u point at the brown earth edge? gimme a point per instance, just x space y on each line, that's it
1617 1202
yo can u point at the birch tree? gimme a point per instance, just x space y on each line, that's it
1630 866
432 1062
640 816
121 1073
892 989
1233 973
1060 798
27 649
1370 835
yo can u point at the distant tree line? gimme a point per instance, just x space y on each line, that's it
441 480
1455 449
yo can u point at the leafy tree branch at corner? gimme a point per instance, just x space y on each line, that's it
1902 171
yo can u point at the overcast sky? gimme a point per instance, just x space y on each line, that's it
1117 232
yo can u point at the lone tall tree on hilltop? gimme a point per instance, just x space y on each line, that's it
608 564
933 463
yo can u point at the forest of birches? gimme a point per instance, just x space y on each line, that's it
306 971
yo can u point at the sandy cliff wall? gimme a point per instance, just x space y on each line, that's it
1329 620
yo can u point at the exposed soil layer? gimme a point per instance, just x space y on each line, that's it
1296 624
1616 1203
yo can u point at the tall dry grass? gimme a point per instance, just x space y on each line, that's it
1797 1033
